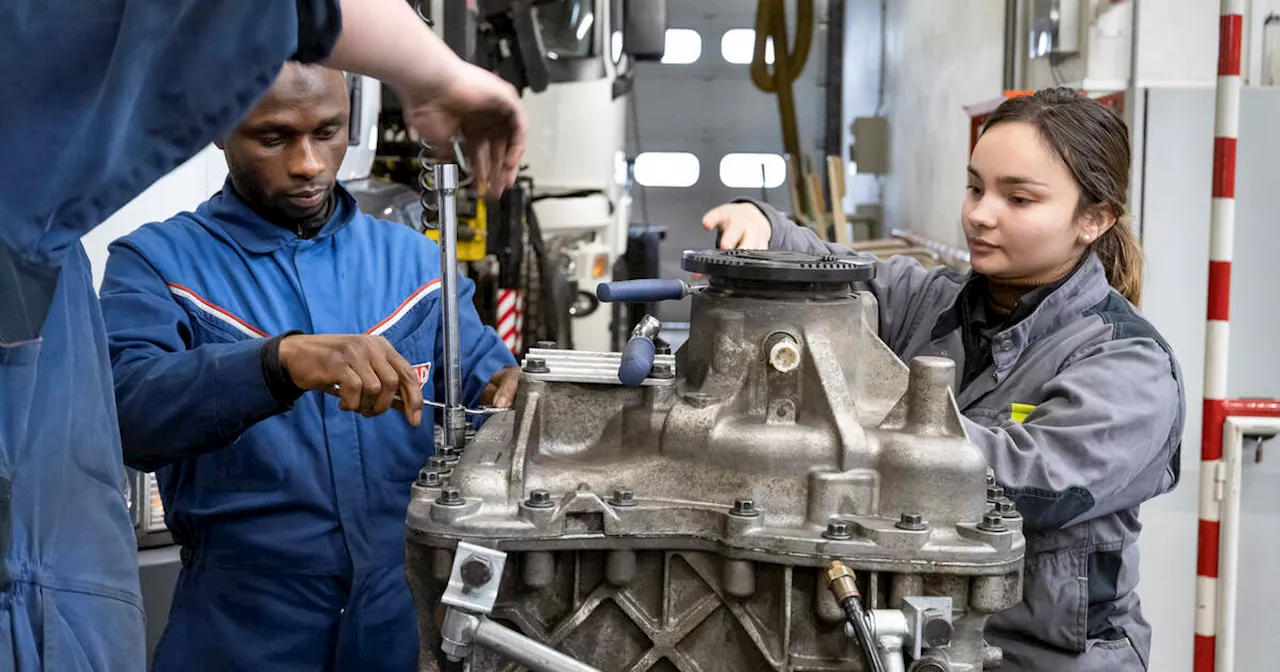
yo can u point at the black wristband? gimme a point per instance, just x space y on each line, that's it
277 377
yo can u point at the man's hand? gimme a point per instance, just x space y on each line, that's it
366 369
485 110
501 390
442 94
742 226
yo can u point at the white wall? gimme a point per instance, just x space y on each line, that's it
940 56
183 189
1177 42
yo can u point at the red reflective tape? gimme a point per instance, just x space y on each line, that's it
510 313
1211 430
1204 653
1219 290
1230 36
1224 167
1207 549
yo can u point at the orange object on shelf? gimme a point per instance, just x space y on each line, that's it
980 112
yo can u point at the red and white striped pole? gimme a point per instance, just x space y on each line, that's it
510 318
1221 228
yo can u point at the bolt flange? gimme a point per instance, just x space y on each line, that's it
536 365
744 507
623 497
992 521
912 522
838 529
539 499
449 496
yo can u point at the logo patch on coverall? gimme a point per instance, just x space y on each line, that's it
1019 412
424 373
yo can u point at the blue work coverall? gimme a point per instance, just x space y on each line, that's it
100 99
292 519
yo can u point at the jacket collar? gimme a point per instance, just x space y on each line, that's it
1044 310
226 211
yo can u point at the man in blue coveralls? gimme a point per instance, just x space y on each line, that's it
226 326
101 99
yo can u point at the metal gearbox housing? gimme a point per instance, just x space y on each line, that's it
683 523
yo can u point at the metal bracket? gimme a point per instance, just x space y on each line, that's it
474 580
928 623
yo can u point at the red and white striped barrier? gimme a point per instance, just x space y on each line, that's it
511 318
1221 229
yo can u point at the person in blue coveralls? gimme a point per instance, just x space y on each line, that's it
101 99
226 326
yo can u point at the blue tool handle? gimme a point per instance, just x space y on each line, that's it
637 360
640 291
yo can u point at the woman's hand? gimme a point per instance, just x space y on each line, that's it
742 226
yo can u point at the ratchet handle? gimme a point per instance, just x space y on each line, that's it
641 291
637 361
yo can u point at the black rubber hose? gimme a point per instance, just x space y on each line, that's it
862 630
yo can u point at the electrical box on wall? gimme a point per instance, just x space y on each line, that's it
870 150
1055 28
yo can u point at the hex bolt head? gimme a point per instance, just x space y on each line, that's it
744 507
1008 509
475 572
838 529
913 522
430 478
539 499
661 347
663 371
536 365
936 630
994 493
623 497
992 521
546 345
439 463
991 477
449 496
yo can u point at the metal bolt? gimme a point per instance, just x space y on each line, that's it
623 497
449 497
991 477
475 572
912 522
661 347
936 630
838 529
994 493
546 345
744 507
539 499
663 370
430 478
439 463
992 521
1008 509
536 365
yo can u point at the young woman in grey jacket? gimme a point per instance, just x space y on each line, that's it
1073 396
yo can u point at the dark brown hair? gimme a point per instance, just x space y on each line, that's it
1093 141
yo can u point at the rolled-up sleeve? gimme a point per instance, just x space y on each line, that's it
319 24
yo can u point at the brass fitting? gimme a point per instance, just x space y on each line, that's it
841 581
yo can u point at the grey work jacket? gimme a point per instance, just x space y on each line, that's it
1103 437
